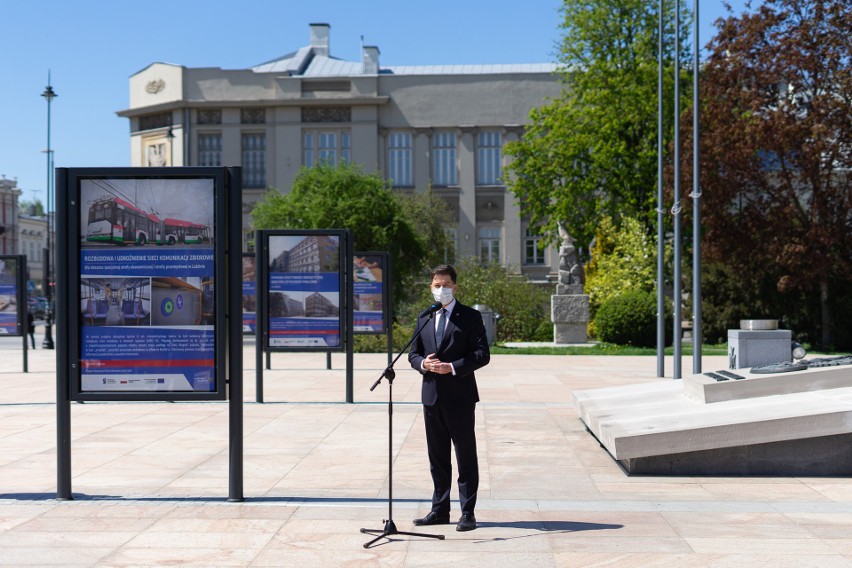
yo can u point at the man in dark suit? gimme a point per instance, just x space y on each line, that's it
448 351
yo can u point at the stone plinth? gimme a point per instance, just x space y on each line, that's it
795 423
570 317
748 348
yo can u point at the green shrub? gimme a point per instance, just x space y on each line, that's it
623 258
523 307
630 318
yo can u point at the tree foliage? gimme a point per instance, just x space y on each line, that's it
34 207
776 152
623 259
409 228
592 152
524 308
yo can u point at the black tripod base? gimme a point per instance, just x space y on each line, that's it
390 530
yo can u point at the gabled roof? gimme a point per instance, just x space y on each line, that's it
471 69
308 62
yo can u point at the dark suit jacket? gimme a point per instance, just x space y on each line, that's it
464 345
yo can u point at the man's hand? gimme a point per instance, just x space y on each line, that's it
433 365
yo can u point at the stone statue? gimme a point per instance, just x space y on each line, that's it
569 307
570 269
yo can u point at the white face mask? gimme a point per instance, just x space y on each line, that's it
442 294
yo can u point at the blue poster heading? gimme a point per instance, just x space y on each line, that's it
146 262
304 282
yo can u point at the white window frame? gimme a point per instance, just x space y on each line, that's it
400 167
445 168
489 150
533 255
490 244
253 159
331 146
452 245
210 156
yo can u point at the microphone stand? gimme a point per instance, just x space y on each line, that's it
390 527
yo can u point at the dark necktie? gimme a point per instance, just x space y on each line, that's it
442 323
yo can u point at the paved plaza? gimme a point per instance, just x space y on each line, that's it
150 480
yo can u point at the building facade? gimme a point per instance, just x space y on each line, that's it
9 231
438 127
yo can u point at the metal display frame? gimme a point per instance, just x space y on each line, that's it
21 321
346 344
228 358
69 276
386 284
252 256
20 293
387 299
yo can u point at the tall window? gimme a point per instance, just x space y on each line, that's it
488 150
399 159
444 165
489 244
209 149
450 250
532 253
328 146
254 160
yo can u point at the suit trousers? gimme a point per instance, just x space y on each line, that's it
446 425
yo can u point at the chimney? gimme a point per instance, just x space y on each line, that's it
370 57
320 38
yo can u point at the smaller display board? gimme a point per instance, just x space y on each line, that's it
304 283
371 284
12 304
249 294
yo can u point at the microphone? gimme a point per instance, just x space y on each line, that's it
434 308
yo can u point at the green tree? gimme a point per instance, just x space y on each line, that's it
524 308
623 259
34 207
345 197
592 152
776 152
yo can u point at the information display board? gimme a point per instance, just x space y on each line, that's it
370 283
11 296
249 294
304 285
144 301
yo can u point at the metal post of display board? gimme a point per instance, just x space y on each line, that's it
260 323
63 363
23 320
234 308
349 295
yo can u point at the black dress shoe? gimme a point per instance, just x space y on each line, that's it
466 523
432 518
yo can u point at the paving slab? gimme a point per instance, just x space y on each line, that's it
150 480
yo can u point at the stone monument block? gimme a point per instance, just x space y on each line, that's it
570 316
757 348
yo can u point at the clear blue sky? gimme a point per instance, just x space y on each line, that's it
92 48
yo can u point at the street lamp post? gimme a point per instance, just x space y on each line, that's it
49 94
